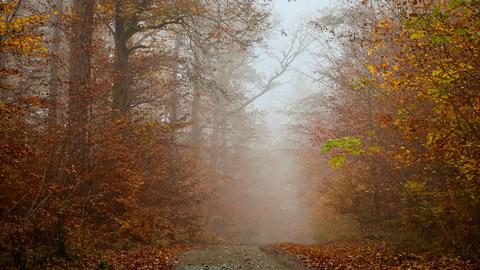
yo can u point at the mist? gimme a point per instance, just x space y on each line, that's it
260 134
272 187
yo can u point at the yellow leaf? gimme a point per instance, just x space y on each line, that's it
372 69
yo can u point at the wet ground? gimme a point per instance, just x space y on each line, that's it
228 258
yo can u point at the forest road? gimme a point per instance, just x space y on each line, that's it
230 257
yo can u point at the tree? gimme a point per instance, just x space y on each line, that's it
54 63
395 78
80 73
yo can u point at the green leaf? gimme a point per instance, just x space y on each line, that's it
457 3
350 144
436 72
417 35
462 31
440 40
337 161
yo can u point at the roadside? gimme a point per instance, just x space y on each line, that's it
369 255
280 256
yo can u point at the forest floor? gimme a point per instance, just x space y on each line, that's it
358 255
369 255
282 256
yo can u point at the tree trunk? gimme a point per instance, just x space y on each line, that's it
215 146
173 100
373 170
60 237
79 92
121 79
196 124
55 64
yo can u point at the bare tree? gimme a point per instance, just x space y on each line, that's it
299 44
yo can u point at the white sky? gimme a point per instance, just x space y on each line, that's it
289 15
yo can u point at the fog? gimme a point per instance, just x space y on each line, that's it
270 196
182 127
267 203
134 125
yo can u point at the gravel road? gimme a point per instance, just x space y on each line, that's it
228 258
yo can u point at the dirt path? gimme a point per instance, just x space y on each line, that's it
228 258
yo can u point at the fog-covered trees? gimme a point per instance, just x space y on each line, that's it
96 119
401 120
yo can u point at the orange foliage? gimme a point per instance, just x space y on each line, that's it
370 255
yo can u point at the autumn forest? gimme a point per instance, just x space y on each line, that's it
217 134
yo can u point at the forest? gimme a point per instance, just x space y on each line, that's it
140 134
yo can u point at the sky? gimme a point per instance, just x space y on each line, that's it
287 15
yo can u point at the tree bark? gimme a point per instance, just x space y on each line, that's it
173 100
373 170
55 64
196 124
121 79
79 91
